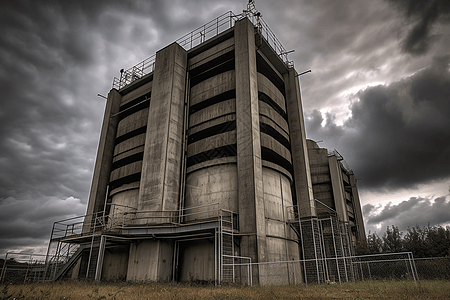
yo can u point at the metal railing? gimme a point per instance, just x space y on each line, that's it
202 34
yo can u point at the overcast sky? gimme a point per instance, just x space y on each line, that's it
378 92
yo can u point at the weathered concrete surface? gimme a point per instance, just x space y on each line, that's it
250 179
162 154
211 53
115 263
150 260
357 206
214 111
196 261
140 91
300 161
160 178
215 184
213 86
338 188
132 122
212 142
103 162
267 111
267 87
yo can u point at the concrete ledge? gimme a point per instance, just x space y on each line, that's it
211 53
213 86
132 122
131 143
267 87
213 111
213 122
125 187
276 167
267 111
271 143
127 170
265 120
139 149
213 162
215 141
140 91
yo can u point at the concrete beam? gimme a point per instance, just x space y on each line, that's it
250 178
103 162
163 145
300 160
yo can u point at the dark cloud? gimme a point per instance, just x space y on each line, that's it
397 135
408 213
424 14
56 56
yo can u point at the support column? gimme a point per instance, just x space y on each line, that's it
161 166
299 149
249 167
103 163
159 188
338 188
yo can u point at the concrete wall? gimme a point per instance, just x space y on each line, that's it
103 162
115 263
160 183
250 181
196 261
215 184
150 260
300 161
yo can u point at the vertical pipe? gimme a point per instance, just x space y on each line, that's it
324 254
315 250
335 250
301 241
100 256
215 257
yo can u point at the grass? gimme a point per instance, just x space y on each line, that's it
360 290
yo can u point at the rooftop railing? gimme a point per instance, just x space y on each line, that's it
202 34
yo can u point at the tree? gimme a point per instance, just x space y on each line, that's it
392 240
374 243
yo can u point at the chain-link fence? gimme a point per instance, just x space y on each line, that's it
433 268
22 268
390 266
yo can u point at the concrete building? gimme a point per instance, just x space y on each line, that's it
202 167
334 184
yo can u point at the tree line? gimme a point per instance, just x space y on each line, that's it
429 241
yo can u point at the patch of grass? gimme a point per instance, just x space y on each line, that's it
360 290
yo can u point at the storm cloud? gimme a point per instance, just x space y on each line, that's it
408 213
56 56
423 15
397 135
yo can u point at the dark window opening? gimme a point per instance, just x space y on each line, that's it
124 180
127 160
213 130
133 109
225 151
275 134
135 101
131 134
273 157
212 68
265 69
266 99
213 100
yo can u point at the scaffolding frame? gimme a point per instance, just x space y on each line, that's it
92 234
327 259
